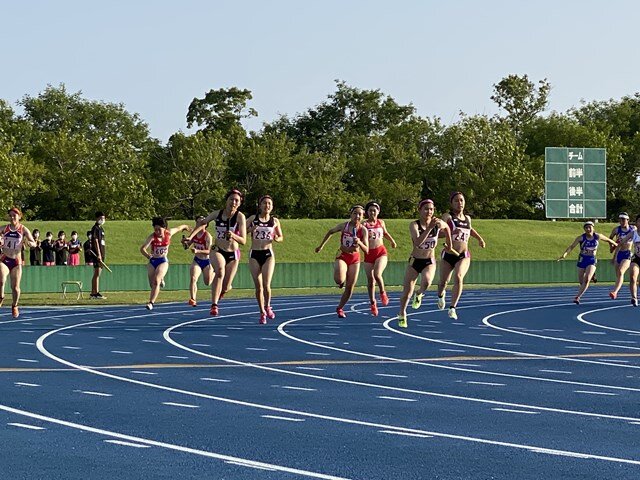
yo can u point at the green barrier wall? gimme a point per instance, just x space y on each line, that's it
298 275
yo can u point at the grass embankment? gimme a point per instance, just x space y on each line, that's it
506 239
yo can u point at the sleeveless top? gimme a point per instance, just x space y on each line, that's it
263 230
588 247
200 240
349 235
224 226
375 230
432 237
13 239
460 229
160 245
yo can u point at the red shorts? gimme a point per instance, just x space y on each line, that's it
349 258
374 254
74 259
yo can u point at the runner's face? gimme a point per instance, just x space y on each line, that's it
14 218
427 210
588 229
372 212
356 215
457 203
266 206
624 222
233 202
158 230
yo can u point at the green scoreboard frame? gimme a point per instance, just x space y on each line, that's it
575 182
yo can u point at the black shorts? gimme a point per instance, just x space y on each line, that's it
228 256
420 264
261 256
635 259
452 259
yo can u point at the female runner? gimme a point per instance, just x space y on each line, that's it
589 242
231 231
264 230
424 237
158 265
201 265
461 231
375 261
353 239
623 235
12 239
635 265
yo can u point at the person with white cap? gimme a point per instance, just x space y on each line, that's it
588 242
634 268
623 235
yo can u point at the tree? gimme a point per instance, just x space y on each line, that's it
521 99
220 110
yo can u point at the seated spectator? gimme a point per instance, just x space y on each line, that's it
61 248
89 257
48 252
74 249
35 253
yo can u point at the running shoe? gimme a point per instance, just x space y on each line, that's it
149 306
384 298
417 300
341 285
192 302
341 313
402 321
634 301
263 319
214 310
162 284
222 295
594 279
374 309
99 296
270 313
441 302
576 300
452 313
613 295
1 300
15 313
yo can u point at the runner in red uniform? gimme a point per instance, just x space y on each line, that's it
264 230
158 265
375 261
352 240
12 239
201 265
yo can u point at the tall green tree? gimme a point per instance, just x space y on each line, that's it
220 110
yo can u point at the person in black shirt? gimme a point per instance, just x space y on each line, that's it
61 246
89 257
98 249
35 253
48 255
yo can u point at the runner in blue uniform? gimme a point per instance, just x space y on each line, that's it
623 234
634 269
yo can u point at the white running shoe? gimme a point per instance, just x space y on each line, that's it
149 306
452 313
441 302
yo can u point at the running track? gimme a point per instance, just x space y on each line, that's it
524 385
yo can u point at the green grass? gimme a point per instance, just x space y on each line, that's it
506 239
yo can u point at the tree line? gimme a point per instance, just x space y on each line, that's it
65 156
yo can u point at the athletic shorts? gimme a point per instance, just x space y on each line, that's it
375 253
420 264
261 256
74 259
202 262
228 256
636 260
623 255
157 261
585 260
349 258
452 259
11 263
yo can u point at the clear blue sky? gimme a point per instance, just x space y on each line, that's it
442 56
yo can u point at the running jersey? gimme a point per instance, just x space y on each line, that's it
224 226
13 239
460 229
624 236
160 245
375 230
200 240
588 247
348 238
263 230
432 237
636 244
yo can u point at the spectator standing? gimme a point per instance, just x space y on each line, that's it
35 253
48 253
74 249
61 247
89 257
99 251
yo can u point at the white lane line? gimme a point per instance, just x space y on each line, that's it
509 344
385 346
26 343
234 328
66 334
127 444
487 383
555 452
390 375
26 331
108 338
69 347
400 399
406 434
555 371
381 336
629 342
270 339
596 393
27 360
328 333
183 405
151 341
200 345
331 326
156 324
490 335
466 365
254 349
551 330
210 379
24 425
578 348
248 465
510 410
311 368
121 352
289 387
612 360
457 323
24 384
433 332
318 353
456 350
140 372
288 419
132 329
95 394
177 357
594 333
219 335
